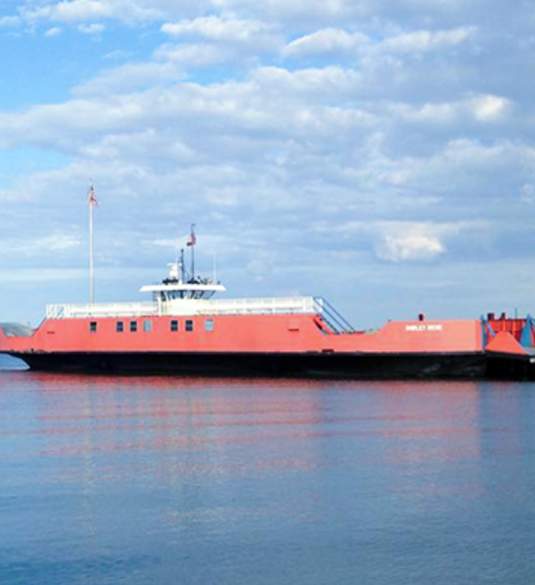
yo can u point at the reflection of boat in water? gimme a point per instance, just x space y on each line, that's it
184 330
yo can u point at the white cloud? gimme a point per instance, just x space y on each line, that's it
73 11
317 82
117 55
192 55
217 29
53 32
325 41
56 242
481 155
412 246
337 40
426 40
406 241
481 108
130 77
70 11
490 108
272 100
9 21
42 276
296 10
93 28
131 12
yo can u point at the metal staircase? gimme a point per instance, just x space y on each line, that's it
336 323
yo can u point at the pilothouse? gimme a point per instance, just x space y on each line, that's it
176 286
179 286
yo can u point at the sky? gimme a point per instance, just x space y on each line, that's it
378 153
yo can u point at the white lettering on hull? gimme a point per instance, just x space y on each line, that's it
427 327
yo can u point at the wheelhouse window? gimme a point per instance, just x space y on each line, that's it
174 325
209 325
147 326
93 327
189 325
133 326
119 326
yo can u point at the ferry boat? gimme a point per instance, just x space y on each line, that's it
183 329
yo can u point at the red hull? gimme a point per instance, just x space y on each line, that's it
279 344
245 333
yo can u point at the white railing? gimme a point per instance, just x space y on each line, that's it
184 307
100 310
273 305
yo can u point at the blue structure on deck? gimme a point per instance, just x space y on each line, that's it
526 337
487 331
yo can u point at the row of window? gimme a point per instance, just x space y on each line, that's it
147 326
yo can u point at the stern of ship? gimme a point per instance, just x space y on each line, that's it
509 347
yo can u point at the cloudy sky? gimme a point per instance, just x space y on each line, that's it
376 152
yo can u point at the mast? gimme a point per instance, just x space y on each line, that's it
191 243
92 202
182 266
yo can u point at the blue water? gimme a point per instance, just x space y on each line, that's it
168 480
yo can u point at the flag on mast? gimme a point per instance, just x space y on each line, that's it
192 237
92 197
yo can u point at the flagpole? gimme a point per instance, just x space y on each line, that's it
193 242
91 203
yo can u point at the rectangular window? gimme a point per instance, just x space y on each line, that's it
93 327
174 325
209 325
189 325
133 326
147 326
119 326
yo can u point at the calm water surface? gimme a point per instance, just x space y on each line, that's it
169 480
